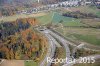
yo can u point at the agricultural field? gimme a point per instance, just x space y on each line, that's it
72 26
45 19
81 30
89 35
56 18
91 22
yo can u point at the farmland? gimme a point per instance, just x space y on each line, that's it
81 30
72 26
56 17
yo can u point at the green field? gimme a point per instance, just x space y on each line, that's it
56 18
31 63
98 13
45 19
88 35
77 23
87 38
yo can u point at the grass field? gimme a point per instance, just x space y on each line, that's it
45 19
77 23
98 13
91 22
88 35
87 38
30 63
55 18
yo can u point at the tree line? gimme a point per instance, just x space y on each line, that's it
78 14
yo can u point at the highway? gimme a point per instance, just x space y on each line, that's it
51 49
64 44
53 45
62 41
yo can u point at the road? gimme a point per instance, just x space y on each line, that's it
62 41
51 50
52 42
64 44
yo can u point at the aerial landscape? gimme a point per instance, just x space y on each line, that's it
49 32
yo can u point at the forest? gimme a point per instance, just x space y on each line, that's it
18 40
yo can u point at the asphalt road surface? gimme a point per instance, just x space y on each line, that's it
51 49
52 45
